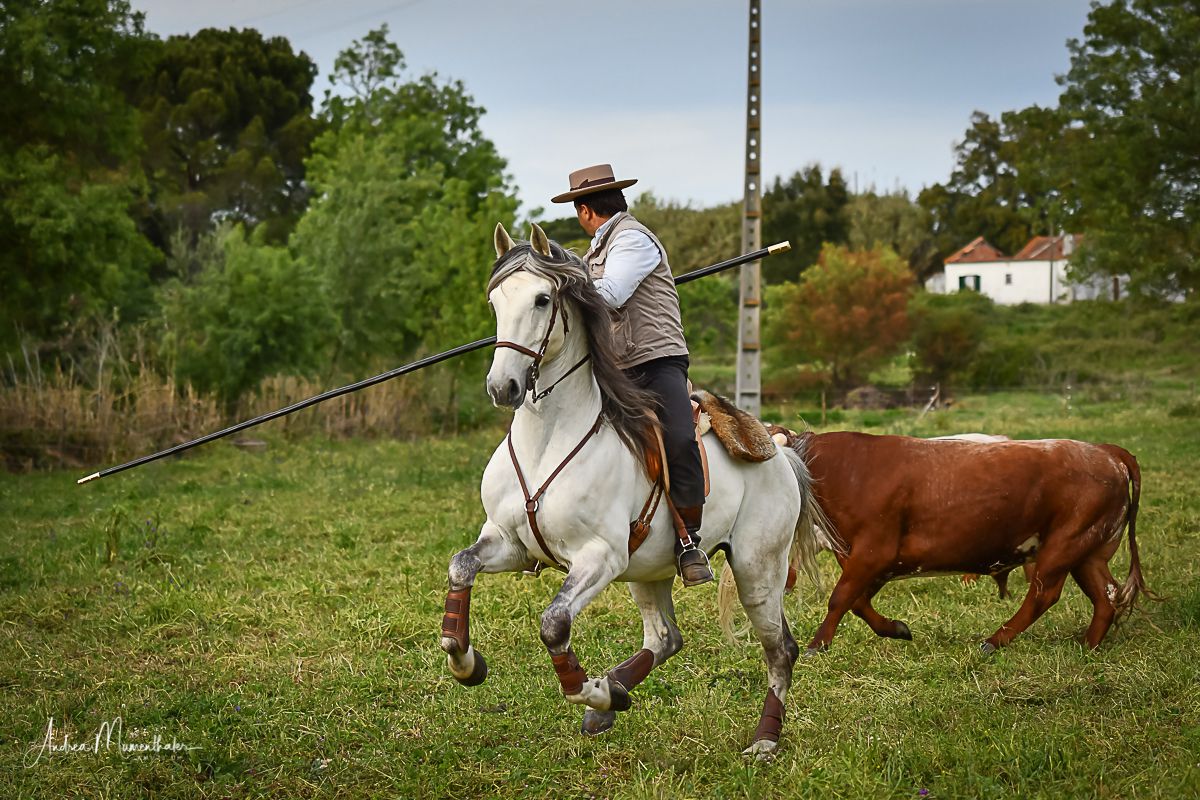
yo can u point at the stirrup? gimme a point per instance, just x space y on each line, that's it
693 566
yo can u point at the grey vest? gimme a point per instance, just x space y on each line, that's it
648 325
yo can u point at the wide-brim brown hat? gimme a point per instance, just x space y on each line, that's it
590 180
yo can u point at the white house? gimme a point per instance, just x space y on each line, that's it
1037 274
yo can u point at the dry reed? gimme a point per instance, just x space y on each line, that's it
56 420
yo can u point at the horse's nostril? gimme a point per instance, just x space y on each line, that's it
514 391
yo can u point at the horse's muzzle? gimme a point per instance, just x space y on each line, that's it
506 392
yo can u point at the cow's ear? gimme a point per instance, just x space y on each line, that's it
539 241
504 242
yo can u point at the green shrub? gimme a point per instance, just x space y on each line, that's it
947 331
250 311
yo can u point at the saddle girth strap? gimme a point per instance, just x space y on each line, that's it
639 529
533 501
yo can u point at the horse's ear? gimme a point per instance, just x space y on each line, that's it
504 242
539 241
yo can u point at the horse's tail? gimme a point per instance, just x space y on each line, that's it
1135 584
813 533
813 529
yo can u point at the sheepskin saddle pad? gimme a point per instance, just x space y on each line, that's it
743 436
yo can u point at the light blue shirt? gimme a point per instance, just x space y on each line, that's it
631 257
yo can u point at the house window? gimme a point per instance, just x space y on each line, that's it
1008 279
968 282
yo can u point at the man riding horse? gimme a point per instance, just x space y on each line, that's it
629 268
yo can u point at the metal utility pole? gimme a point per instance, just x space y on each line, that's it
749 378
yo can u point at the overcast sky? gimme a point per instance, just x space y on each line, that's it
881 88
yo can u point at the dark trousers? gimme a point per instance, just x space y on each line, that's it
666 378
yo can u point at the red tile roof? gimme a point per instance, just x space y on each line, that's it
977 250
1047 248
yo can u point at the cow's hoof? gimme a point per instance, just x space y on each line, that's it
597 722
987 648
479 671
762 750
902 632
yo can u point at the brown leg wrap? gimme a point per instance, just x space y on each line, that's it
633 670
771 721
570 674
456 623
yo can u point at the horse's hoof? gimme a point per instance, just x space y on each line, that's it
597 722
815 651
987 648
478 673
762 750
902 631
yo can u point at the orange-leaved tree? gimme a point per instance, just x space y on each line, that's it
848 311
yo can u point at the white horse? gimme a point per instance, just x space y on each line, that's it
583 445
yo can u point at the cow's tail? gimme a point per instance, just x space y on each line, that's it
1135 584
813 534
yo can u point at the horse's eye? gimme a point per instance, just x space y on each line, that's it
542 300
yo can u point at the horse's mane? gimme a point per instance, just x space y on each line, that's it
625 405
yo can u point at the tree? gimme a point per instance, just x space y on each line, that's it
247 312
895 221
1008 183
1133 87
227 120
808 211
947 330
848 311
406 194
68 175
566 231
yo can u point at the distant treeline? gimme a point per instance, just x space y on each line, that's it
183 206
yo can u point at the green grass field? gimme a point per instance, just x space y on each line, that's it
278 611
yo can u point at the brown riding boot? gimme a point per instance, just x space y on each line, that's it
691 560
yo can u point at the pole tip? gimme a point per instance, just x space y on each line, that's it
91 477
781 247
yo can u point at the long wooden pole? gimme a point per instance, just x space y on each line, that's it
782 247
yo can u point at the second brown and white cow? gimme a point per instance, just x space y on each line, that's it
901 507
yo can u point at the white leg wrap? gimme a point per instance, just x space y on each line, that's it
594 694
763 750
462 666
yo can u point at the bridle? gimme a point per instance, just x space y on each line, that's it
533 501
535 369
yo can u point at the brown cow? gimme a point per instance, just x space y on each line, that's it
904 507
